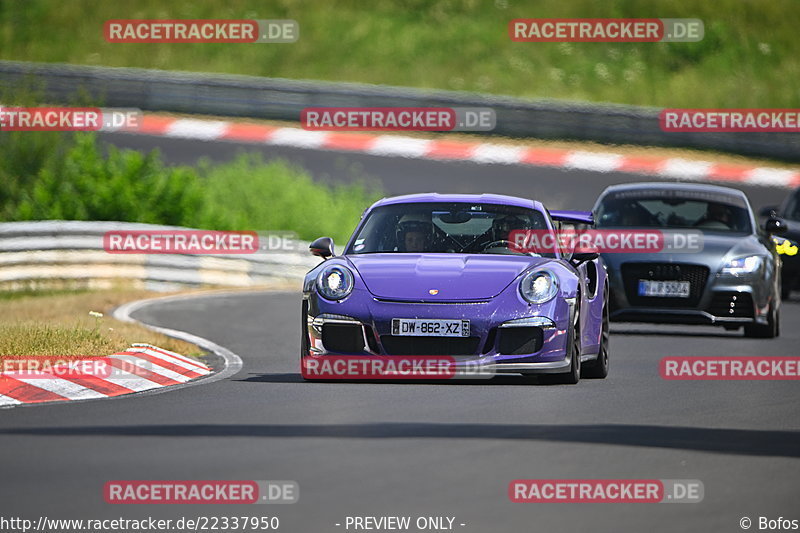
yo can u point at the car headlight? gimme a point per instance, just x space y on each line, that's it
538 286
335 282
743 265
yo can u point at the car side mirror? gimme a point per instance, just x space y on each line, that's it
583 257
322 247
775 226
769 211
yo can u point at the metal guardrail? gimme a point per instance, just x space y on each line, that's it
270 98
55 253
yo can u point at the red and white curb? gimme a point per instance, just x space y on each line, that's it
142 367
486 153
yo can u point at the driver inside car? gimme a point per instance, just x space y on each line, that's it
414 233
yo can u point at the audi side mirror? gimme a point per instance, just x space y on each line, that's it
775 226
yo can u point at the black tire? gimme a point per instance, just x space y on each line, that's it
304 344
573 376
770 330
598 369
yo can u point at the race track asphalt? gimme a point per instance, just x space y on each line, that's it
429 449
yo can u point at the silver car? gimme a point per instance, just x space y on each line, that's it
734 281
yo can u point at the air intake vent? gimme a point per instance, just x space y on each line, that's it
696 275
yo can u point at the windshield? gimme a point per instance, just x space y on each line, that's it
673 210
444 228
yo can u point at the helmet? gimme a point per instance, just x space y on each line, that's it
502 225
414 223
417 221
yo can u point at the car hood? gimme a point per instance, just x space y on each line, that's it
456 276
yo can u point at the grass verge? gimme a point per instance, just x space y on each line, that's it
58 324
746 59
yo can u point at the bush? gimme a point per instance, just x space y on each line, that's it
23 155
126 185
69 178
248 194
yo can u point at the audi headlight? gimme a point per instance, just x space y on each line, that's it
739 266
335 282
538 286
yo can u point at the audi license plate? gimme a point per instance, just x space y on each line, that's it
423 327
664 289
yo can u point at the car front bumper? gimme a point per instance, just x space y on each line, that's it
725 302
506 333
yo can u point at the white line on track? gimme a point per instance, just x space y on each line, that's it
232 362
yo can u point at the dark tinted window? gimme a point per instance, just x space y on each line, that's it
673 210
443 228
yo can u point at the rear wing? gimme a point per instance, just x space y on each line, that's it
574 217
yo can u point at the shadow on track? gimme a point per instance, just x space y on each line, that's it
702 330
729 441
655 332
504 380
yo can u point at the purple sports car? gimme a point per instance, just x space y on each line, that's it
438 275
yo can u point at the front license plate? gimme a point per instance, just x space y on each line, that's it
664 289
422 327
